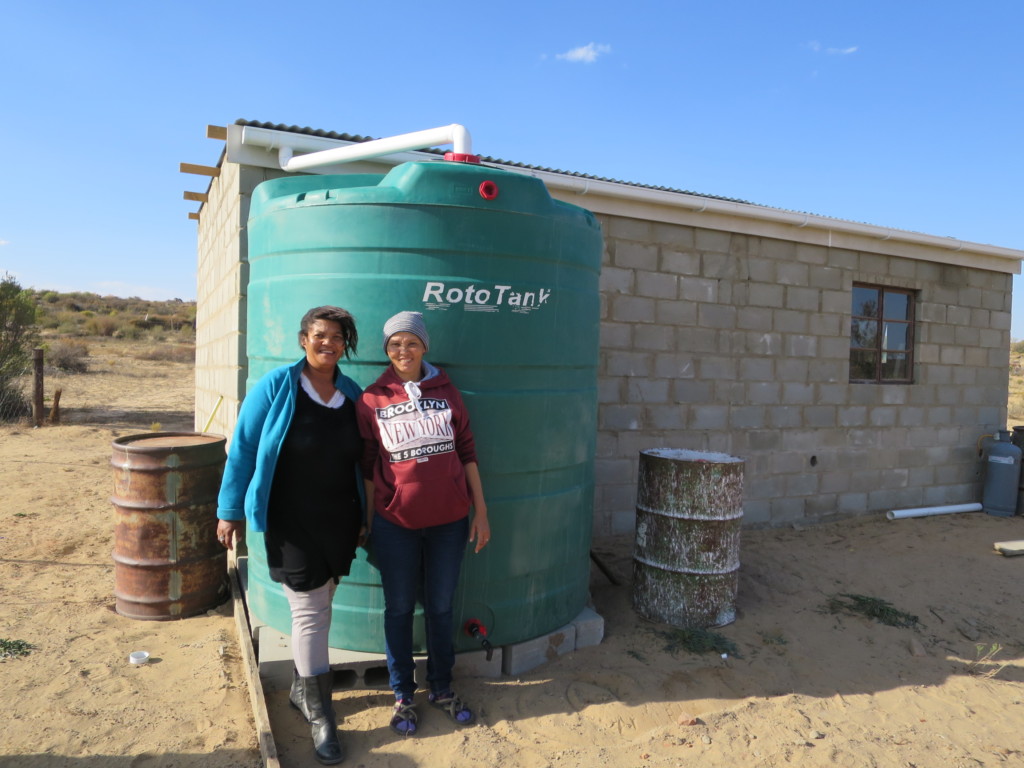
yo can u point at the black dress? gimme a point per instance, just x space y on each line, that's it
314 515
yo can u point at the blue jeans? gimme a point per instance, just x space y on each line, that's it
419 564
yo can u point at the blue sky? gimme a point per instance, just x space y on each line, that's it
904 114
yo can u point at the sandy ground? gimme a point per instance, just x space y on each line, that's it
807 686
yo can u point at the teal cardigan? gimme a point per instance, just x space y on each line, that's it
263 421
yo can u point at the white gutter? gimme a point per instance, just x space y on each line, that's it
453 134
397 149
761 213
900 514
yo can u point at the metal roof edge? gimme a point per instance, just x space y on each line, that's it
270 136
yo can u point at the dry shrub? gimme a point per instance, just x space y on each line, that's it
101 325
128 330
169 353
1015 409
68 356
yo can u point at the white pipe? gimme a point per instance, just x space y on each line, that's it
454 134
899 514
272 139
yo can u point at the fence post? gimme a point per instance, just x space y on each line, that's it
37 386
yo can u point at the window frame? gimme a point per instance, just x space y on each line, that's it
878 347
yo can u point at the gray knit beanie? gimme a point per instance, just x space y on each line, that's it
412 322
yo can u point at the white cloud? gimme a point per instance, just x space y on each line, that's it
585 53
817 47
5 242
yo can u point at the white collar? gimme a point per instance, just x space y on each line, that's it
336 401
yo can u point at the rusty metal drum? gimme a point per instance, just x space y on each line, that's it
686 557
167 561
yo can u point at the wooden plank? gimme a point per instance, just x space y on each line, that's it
194 215
217 132
199 197
268 747
200 170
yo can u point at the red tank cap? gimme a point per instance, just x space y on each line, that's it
459 157
488 190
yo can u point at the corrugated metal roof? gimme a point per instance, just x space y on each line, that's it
485 159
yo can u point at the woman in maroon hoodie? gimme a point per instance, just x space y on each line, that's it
421 475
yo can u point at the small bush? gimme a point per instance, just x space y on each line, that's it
17 337
101 325
169 353
13 403
69 356
128 330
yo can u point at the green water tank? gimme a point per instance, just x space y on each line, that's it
507 280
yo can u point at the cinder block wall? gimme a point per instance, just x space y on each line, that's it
736 344
730 343
222 281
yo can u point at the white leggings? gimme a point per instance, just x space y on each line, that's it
311 623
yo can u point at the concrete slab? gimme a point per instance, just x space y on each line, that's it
354 669
589 628
529 654
475 664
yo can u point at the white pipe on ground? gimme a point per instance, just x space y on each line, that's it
899 514
454 134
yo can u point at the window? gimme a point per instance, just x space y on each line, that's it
882 335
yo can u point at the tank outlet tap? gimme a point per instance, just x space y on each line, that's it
475 628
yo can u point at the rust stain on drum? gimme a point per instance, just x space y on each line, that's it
167 561
686 556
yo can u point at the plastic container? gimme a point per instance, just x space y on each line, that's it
507 279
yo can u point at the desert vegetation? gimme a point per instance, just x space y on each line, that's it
1015 400
68 326
80 314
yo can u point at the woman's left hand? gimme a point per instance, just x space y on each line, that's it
480 530
230 532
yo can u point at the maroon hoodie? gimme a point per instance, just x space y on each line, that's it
415 449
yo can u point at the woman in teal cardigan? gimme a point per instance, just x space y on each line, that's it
292 473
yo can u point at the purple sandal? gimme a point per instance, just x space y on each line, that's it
456 710
404 719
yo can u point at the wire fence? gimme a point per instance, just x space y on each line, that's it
16 389
16 394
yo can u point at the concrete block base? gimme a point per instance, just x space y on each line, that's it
524 656
589 628
353 669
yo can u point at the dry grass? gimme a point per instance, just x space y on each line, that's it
1015 401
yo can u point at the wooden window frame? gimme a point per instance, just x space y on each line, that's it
882 326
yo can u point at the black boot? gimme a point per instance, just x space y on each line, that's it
297 697
312 697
